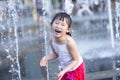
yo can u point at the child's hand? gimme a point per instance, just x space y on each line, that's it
60 75
43 61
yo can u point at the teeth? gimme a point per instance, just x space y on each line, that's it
57 31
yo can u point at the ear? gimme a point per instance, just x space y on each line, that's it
68 30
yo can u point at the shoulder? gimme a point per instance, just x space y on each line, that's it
70 42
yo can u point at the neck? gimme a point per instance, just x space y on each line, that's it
61 40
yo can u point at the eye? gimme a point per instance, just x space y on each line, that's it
63 24
56 22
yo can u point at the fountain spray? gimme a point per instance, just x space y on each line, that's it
117 25
111 25
45 36
12 14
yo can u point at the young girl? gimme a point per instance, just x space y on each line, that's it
64 48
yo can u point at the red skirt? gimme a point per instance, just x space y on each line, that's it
77 74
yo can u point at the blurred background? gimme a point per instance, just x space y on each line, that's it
25 32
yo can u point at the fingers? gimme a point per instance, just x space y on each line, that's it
43 62
59 76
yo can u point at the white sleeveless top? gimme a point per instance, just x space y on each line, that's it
64 56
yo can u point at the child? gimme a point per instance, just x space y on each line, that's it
64 48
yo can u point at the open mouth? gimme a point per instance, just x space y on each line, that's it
58 31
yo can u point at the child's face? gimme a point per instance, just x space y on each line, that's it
60 27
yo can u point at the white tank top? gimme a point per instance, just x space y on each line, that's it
64 56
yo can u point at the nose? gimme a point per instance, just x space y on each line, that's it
58 25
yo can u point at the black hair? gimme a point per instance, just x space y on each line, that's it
62 16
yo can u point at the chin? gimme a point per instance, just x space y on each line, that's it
57 36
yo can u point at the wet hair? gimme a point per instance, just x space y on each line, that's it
62 16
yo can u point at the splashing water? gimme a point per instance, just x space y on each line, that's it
45 38
45 43
10 42
68 6
117 25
